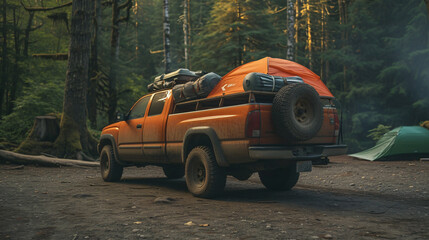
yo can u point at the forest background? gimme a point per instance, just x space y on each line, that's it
372 54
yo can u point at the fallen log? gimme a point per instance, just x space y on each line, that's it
43 160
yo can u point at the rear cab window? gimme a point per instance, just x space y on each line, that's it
157 105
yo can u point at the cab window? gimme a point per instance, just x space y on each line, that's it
157 104
139 108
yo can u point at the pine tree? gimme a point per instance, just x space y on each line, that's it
238 32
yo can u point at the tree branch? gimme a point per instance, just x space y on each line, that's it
36 27
127 17
41 9
125 4
107 3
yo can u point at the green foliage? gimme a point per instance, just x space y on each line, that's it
237 32
378 132
375 62
42 95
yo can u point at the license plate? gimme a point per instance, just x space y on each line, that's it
303 166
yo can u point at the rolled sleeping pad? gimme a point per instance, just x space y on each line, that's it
158 85
169 85
178 93
205 84
267 83
159 78
189 91
294 79
150 87
262 82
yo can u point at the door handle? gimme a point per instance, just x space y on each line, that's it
139 126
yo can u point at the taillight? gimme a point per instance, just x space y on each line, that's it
337 124
253 125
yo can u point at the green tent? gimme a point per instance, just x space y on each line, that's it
401 143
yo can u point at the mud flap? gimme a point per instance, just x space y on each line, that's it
304 166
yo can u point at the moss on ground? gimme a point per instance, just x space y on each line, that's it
33 147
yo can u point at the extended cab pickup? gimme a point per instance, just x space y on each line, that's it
275 134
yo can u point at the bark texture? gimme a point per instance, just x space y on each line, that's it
166 26
93 67
74 136
185 30
4 75
309 36
28 29
114 54
290 55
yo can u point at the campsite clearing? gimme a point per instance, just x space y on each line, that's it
347 199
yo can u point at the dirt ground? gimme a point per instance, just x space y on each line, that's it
347 199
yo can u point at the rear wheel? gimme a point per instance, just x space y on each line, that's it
281 179
204 178
111 171
174 171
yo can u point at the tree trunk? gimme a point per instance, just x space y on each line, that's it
290 30
4 75
322 41
93 66
27 33
189 33
297 15
309 37
185 31
427 5
74 136
167 59
114 54
342 6
16 76
240 44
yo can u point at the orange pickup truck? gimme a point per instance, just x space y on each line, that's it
230 132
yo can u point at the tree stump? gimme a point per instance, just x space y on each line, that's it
45 128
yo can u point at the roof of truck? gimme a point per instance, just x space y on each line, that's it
232 82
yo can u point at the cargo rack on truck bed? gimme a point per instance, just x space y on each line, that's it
232 100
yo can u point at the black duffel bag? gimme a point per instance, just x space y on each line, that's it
205 84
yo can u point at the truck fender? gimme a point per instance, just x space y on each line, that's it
214 139
108 139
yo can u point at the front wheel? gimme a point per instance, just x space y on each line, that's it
111 171
204 178
281 179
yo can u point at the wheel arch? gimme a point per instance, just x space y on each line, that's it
108 139
205 136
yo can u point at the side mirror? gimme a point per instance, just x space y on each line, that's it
120 117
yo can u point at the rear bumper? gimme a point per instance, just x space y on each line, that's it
296 153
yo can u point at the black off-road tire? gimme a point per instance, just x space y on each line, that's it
282 179
204 178
174 171
297 112
111 171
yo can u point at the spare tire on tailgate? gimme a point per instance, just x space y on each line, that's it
297 112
